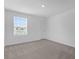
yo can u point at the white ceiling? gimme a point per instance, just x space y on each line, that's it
34 6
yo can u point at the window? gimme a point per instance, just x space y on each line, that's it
20 25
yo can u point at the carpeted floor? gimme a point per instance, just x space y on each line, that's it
41 49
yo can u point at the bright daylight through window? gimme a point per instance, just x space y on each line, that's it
20 25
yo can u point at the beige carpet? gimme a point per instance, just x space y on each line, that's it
41 49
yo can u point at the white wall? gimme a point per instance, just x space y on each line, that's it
61 28
34 28
44 28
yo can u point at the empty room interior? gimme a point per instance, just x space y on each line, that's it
39 29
